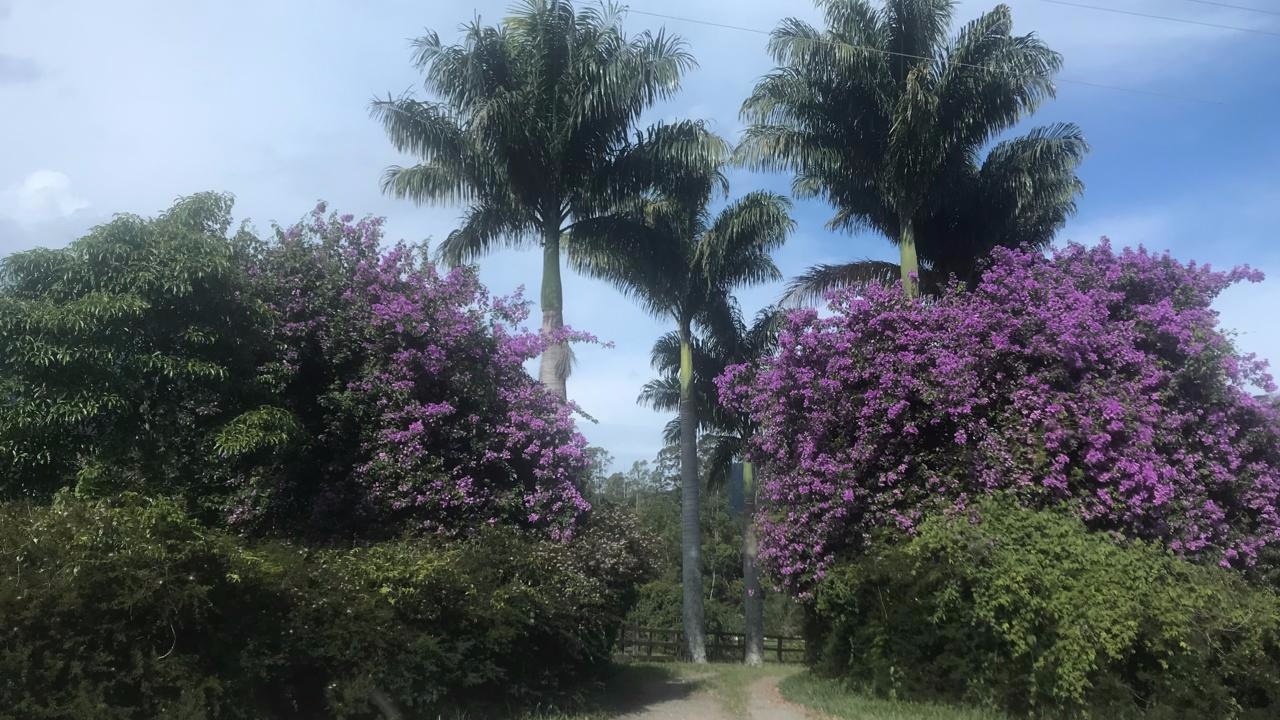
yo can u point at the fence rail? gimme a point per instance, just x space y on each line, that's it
645 643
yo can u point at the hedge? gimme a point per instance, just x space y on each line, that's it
128 609
1029 612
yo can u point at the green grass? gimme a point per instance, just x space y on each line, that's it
730 681
832 698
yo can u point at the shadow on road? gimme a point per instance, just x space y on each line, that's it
633 688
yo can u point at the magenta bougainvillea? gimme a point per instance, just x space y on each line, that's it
409 386
1094 379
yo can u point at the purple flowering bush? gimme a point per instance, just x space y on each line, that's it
1096 379
406 403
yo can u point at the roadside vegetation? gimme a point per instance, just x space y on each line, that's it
304 473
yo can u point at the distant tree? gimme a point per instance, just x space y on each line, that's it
890 121
533 130
660 601
596 477
680 262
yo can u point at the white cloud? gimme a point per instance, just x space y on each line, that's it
42 196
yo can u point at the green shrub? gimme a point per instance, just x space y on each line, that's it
124 609
500 618
1028 611
127 609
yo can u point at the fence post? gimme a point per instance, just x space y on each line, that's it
780 649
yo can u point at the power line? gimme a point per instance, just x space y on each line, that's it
1100 8
1065 81
1234 7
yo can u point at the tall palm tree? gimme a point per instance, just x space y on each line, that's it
681 262
532 128
727 340
887 119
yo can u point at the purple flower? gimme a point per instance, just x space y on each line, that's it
428 370
1097 379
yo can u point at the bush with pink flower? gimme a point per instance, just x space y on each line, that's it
406 388
1095 379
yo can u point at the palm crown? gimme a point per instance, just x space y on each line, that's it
676 259
887 119
532 129
726 340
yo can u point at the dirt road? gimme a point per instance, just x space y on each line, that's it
700 697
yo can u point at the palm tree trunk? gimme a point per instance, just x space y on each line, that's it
554 369
908 261
752 594
690 527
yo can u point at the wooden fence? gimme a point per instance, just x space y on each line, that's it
643 643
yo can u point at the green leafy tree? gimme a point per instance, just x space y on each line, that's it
533 128
128 354
727 341
681 262
886 118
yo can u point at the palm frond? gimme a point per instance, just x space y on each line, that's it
734 250
813 284
484 227
665 355
662 393
634 252
426 184
724 451
677 160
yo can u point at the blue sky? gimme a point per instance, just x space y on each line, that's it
123 106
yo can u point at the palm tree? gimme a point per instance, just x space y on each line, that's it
726 341
887 119
533 131
681 263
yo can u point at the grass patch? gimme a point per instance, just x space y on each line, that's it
730 682
834 699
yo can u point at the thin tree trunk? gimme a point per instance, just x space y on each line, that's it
556 359
909 262
690 528
752 593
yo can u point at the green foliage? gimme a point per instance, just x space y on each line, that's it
127 609
498 619
835 699
264 428
124 609
1027 611
126 353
